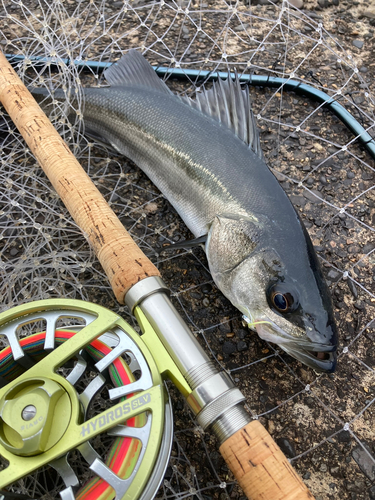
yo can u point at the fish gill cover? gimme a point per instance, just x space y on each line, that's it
325 424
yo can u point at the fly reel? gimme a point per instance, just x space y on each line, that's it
83 409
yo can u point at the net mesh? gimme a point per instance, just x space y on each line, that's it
324 423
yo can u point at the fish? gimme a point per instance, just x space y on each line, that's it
205 156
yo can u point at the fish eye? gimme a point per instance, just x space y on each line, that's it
280 301
283 298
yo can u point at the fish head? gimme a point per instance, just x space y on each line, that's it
279 289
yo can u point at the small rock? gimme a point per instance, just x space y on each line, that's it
344 437
296 3
241 334
151 208
323 180
367 176
271 426
287 447
241 27
299 201
358 43
241 346
367 248
359 304
312 196
365 461
351 487
333 275
352 288
229 348
311 402
363 69
370 13
225 328
350 174
371 493
307 475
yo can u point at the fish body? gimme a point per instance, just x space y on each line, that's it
205 157
199 164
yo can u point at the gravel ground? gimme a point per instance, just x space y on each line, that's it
306 414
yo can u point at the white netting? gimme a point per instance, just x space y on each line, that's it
326 422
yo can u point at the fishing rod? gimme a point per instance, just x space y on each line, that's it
288 84
166 348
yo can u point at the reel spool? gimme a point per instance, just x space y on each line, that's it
84 413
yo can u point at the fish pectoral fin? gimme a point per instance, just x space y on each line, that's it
186 244
99 139
231 106
134 69
232 238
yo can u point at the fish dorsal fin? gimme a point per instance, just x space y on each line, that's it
134 69
231 106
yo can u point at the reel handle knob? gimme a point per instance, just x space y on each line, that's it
260 467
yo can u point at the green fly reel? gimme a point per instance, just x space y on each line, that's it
83 409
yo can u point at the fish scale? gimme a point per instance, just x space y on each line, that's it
205 157
194 151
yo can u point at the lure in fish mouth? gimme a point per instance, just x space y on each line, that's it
321 357
205 157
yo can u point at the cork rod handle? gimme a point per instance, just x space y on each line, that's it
122 260
260 467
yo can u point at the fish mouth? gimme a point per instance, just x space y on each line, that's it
321 357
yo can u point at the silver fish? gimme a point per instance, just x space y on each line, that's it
205 157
